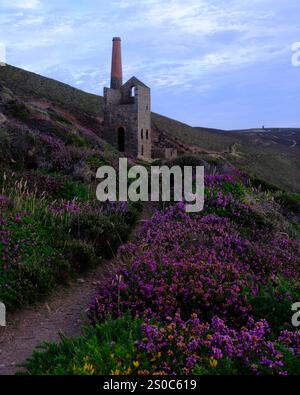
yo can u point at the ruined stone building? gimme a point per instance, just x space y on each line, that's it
127 112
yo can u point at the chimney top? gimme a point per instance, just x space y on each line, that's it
116 64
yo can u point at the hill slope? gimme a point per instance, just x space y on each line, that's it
232 269
273 154
48 160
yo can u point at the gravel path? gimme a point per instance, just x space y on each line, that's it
64 311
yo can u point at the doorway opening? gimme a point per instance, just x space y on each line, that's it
121 139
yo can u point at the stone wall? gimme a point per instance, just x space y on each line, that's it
144 122
122 110
164 153
170 153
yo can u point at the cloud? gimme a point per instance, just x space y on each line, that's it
2 54
22 4
197 16
174 46
32 20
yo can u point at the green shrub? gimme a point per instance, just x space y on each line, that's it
296 196
185 160
225 366
4 145
273 303
35 265
263 184
107 348
95 162
74 189
80 254
236 189
104 233
72 138
19 110
296 226
288 201
61 118
291 361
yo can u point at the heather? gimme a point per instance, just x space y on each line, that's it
51 225
201 265
206 293
34 260
33 212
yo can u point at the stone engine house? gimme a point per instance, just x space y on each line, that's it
127 111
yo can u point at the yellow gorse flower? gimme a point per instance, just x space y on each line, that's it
116 372
88 368
213 362
136 364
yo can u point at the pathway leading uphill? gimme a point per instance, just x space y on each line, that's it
65 311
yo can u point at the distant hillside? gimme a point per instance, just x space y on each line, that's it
23 82
272 154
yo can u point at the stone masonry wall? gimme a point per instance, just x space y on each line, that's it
144 122
131 113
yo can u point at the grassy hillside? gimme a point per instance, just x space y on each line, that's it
205 293
48 162
23 82
193 293
273 155
278 162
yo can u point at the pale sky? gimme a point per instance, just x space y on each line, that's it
216 63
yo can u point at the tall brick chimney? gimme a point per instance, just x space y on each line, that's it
116 65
